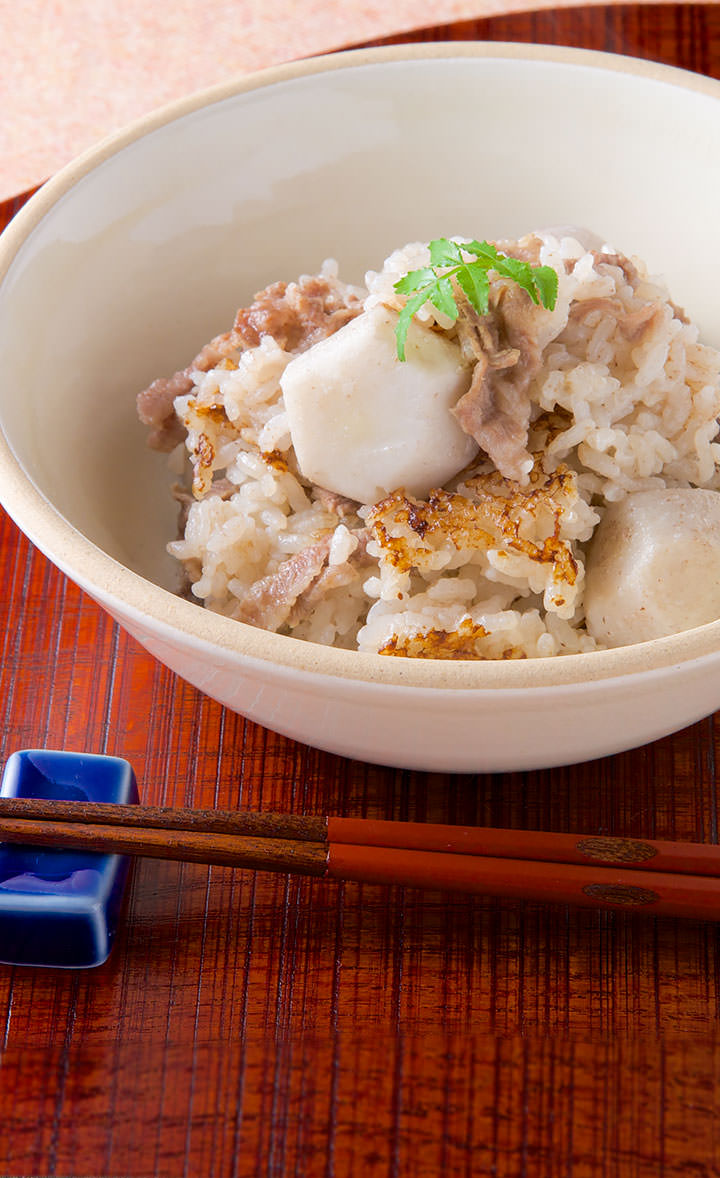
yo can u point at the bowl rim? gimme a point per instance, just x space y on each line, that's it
147 607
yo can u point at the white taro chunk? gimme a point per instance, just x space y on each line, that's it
364 423
654 566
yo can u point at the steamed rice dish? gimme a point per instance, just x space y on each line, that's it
523 484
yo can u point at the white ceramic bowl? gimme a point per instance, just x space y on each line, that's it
136 254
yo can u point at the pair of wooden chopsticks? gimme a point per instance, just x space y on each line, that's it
658 878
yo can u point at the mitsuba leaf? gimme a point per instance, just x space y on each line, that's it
448 257
415 279
444 252
476 285
410 309
443 298
546 281
483 250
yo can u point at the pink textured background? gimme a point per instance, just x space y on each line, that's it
75 70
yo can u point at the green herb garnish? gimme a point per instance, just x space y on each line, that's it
435 283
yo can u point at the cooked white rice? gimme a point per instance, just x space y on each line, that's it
484 568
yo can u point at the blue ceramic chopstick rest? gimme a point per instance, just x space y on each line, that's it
61 907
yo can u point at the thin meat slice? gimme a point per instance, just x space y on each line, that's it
155 404
333 576
297 314
155 408
267 604
339 505
634 325
507 345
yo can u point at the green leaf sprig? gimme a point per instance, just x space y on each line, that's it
435 283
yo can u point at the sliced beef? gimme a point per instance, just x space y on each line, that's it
267 604
155 408
602 258
634 325
155 403
339 505
507 349
333 576
297 314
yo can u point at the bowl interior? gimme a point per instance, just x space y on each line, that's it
129 261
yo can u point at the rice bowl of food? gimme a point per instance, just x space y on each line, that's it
429 465
433 490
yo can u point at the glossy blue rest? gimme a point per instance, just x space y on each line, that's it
60 908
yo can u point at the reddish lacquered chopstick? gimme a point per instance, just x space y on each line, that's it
662 878
657 893
537 845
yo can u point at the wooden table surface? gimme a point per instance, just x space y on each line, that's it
256 1025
